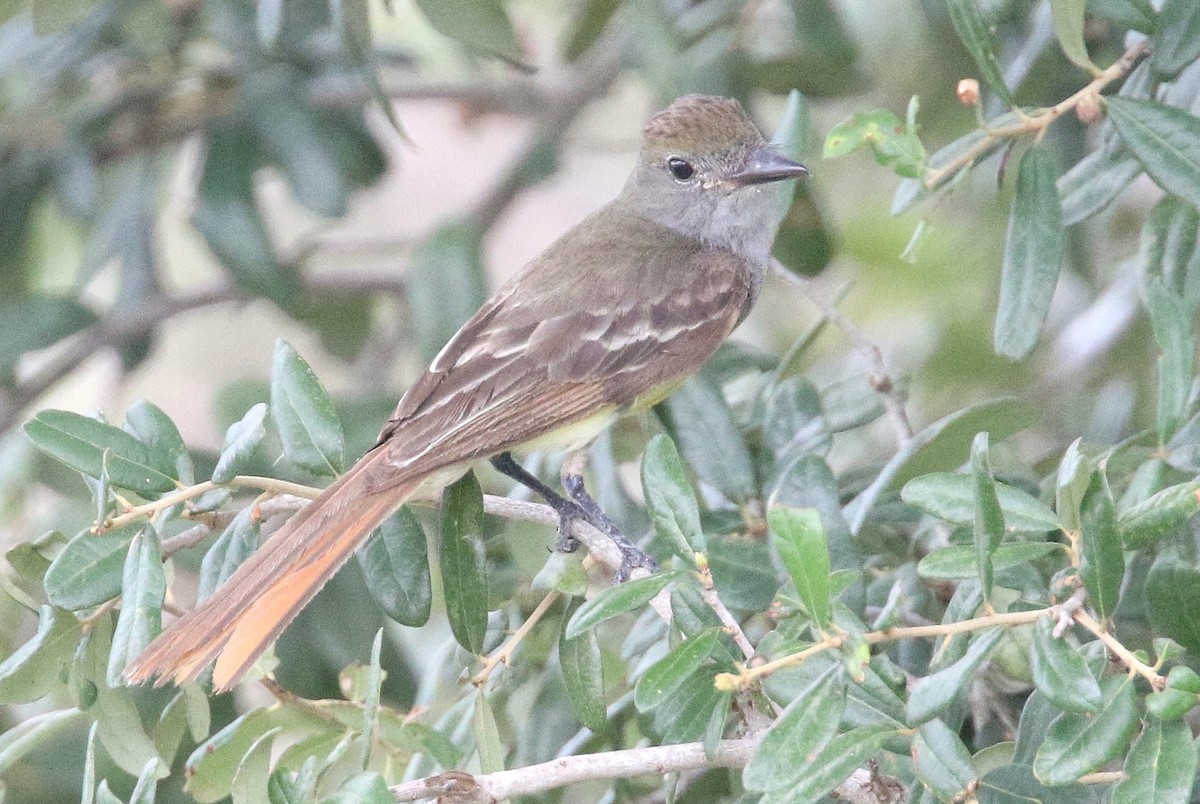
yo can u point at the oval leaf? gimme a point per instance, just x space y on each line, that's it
799 539
670 498
1033 255
619 599
395 566
304 415
950 497
464 570
1078 743
583 674
665 677
1060 672
797 736
1165 139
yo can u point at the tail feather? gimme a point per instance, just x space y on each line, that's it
241 618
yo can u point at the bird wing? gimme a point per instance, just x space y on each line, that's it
509 376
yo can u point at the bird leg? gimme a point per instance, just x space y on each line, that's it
581 506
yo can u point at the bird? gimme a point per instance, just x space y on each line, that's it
607 321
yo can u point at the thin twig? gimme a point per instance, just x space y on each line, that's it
1038 122
656 760
710 596
749 675
880 378
504 653
1123 653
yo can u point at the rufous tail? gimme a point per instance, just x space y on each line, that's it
243 616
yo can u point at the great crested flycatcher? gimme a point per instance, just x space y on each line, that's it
606 321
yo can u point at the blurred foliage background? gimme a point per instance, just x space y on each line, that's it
185 182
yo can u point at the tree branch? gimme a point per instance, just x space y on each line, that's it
464 787
120 328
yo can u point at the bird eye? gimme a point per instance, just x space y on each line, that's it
681 169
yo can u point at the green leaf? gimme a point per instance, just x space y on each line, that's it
1160 515
1094 181
802 240
479 24
833 764
487 736
1135 14
241 441
951 497
446 284
1168 250
370 704
793 423
941 446
1172 322
943 762
1176 40
304 415
395 566
1068 27
1033 255
666 676
582 668
143 588
235 544
1070 483
1165 139
619 599
292 135
892 142
89 569
703 427
33 669
1016 784
931 695
253 771
227 215
147 783
1060 672
81 443
989 518
686 716
1173 599
211 768
1077 743
800 541
38 732
464 570
364 787
972 29
809 483
88 794
164 445
1102 563
35 321
958 562
799 734
670 498
590 21
121 731
1161 766
1170 704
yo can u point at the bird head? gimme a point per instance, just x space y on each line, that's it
705 170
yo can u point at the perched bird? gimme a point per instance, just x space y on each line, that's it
607 321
